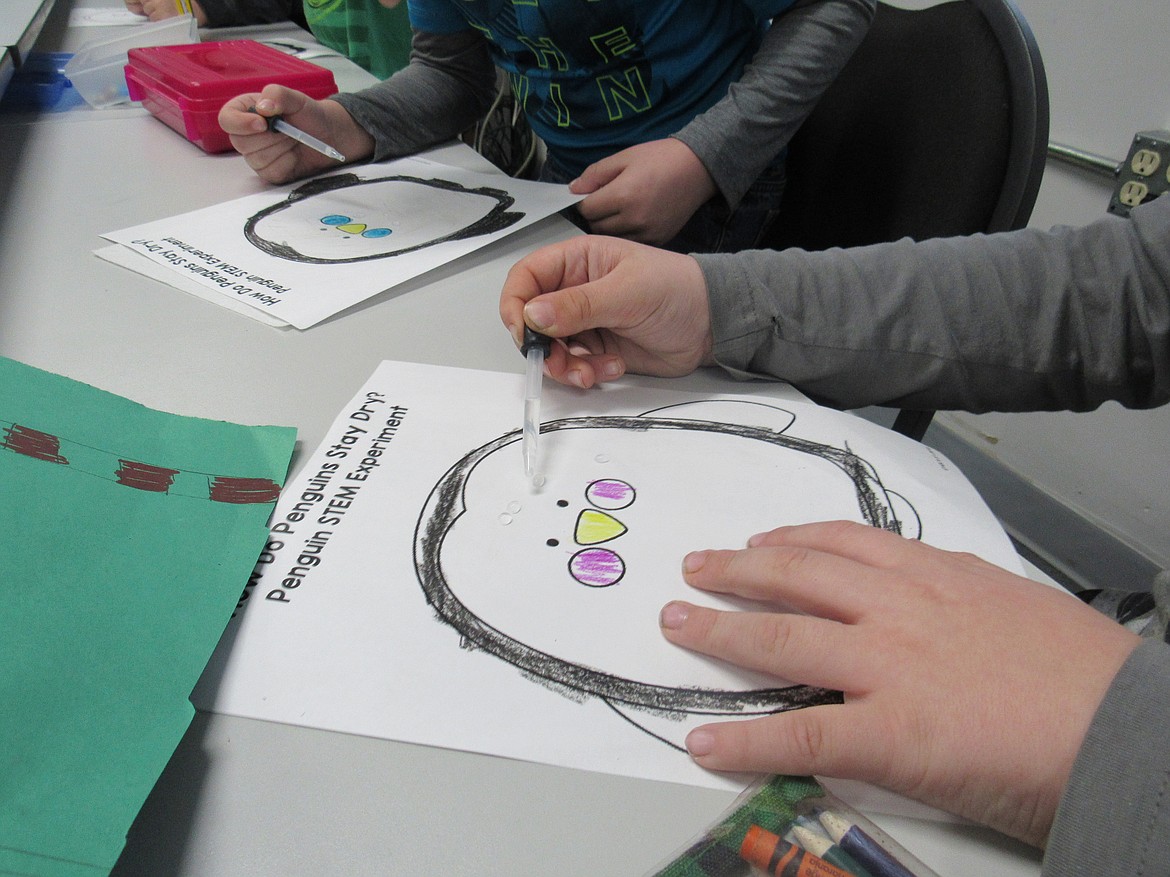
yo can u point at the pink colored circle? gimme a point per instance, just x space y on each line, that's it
597 567
610 493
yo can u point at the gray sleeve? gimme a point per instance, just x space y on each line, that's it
1024 320
230 13
1114 816
447 87
802 53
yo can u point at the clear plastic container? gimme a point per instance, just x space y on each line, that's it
793 825
98 69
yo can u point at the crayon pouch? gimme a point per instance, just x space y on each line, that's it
793 827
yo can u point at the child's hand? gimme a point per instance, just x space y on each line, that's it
645 193
616 304
966 687
277 158
160 10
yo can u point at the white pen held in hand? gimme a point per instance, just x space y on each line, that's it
535 348
276 123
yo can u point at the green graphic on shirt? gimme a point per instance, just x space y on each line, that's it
620 95
548 56
521 88
613 44
558 102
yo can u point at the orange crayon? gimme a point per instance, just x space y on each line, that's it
774 855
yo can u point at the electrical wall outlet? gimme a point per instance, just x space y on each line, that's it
1145 173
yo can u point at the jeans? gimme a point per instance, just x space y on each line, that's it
715 229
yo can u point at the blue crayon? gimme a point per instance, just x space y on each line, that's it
868 852
819 844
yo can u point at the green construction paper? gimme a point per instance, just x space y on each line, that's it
20 864
112 599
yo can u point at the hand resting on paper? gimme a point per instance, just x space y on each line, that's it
966 687
617 306
644 193
280 159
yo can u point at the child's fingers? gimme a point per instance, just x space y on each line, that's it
799 649
831 740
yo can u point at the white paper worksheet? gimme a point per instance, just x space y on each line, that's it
418 587
309 250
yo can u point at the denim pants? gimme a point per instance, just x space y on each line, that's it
713 228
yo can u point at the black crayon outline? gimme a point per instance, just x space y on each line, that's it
444 506
497 219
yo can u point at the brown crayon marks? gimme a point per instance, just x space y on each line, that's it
135 474
33 443
243 490
143 476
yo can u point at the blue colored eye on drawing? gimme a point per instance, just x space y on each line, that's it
347 224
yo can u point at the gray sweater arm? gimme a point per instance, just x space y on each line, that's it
1114 816
1027 320
802 53
447 87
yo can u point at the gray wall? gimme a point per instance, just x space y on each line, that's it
1109 76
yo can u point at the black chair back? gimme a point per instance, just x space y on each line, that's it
937 126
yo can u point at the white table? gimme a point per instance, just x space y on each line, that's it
242 797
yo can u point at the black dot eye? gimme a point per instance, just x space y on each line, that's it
553 543
562 502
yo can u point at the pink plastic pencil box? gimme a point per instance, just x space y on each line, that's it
185 86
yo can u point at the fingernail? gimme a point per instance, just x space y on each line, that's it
673 615
694 561
612 369
700 742
574 376
265 104
539 314
756 540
